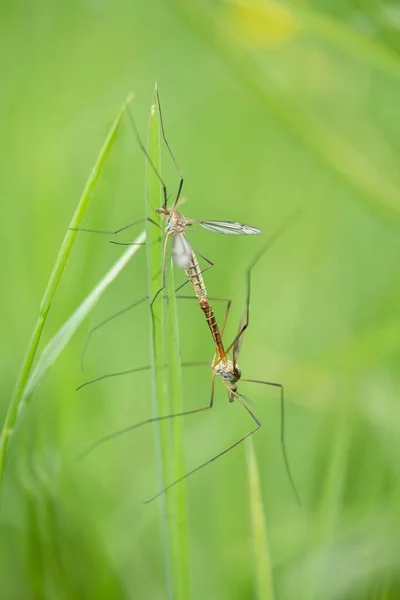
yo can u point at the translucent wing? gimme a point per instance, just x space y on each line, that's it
230 227
181 251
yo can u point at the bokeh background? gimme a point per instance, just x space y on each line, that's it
269 107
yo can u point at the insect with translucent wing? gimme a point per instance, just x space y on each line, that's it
230 373
176 223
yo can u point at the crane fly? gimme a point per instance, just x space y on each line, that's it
230 372
175 225
175 221
184 257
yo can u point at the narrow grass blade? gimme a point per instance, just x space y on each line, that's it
54 348
263 574
179 522
157 320
20 396
165 382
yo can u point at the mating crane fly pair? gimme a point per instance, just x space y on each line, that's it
184 257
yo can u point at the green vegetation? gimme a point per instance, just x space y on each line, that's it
268 107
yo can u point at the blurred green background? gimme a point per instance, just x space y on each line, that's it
268 107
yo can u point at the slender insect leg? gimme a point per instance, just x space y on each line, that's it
116 231
109 375
146 422
244 323
227 310
170 153
132 243
171 485
163 267
144 150
164 277
212 298
99 325
127 309
198 363
282 434
149 220
119 313
215 362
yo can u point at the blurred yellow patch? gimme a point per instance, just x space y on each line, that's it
260 24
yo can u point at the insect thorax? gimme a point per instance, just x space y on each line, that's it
228 371
176 222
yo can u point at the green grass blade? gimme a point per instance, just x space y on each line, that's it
157 322
63 336
178 522
261 559
166 384
19 396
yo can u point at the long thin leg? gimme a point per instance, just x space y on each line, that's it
283 442
171 485
164 277
130 307
109 375
227 309
144 150
132 243
116 231
163 263
126 243
212 299
99 325
246 317
146 422
216 359
170 152
198 363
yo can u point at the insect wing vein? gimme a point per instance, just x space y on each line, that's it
230 227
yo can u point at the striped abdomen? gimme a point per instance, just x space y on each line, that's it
193 273
213 325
